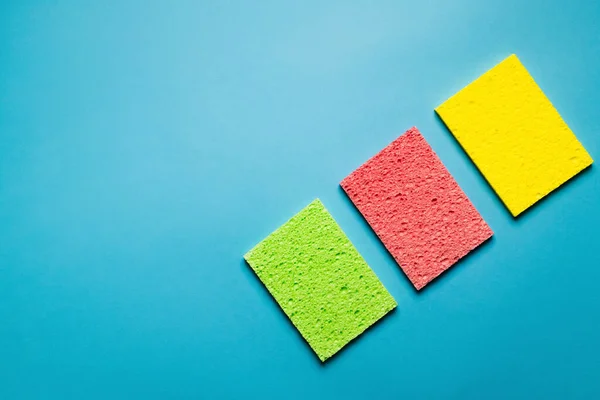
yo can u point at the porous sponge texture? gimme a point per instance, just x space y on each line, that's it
320 280
514 135
416 208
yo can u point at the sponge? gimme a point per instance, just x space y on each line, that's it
320 280
416 208
514 135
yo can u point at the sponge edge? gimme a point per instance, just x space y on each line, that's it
320 280
416 208
514 135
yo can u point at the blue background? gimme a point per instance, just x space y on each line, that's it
146 146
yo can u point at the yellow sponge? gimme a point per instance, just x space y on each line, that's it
514 135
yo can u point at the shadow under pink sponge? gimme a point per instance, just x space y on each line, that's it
416 208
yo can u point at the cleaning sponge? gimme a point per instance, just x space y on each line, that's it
416 208
514 135
320 280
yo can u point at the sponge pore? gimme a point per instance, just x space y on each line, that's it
416 208
320 280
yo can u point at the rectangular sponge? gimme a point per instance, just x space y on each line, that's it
320 280
416 208
514 135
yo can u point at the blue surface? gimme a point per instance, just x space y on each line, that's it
146 146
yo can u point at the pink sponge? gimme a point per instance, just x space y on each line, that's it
416 208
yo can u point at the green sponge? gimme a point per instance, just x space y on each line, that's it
320 280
